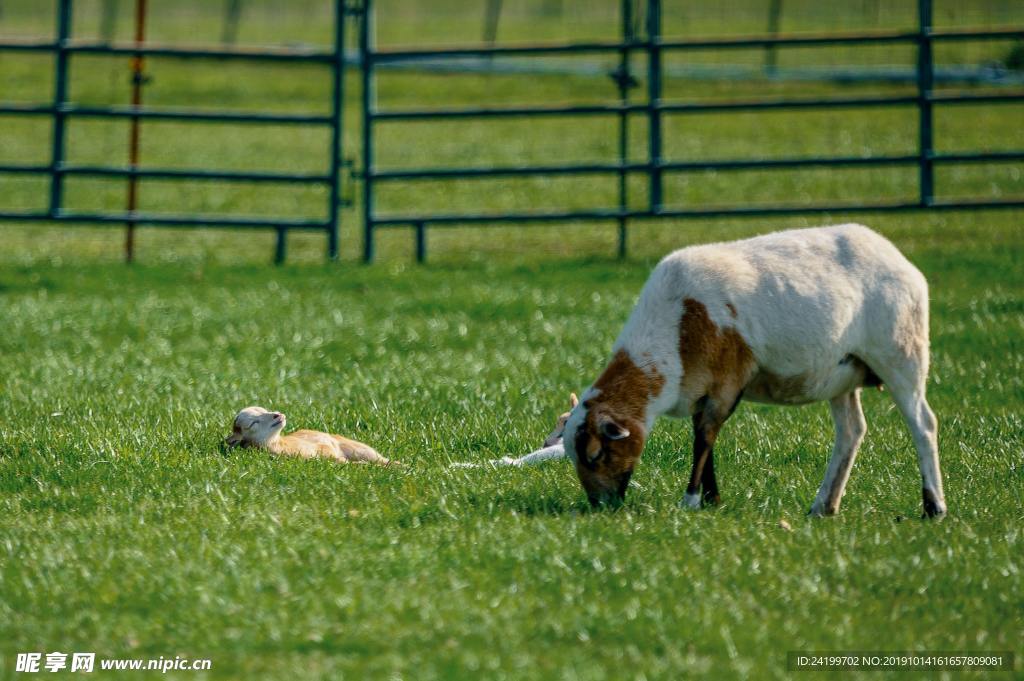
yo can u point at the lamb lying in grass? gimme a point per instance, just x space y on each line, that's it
261 429
553 448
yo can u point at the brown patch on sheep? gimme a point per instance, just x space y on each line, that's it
628 388
717 362
732 309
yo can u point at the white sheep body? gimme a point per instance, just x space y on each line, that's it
793 317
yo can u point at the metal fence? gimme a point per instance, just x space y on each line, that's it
646 44
652 46
60 109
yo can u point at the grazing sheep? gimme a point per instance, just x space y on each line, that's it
256 427
788 318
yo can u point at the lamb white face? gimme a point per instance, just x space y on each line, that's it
256 425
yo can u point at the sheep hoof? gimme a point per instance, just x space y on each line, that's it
690 501
820 511
933 507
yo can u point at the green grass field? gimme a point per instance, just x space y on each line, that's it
125 530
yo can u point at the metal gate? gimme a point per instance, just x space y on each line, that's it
652 46
60 109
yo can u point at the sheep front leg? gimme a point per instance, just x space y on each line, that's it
705 431
708 483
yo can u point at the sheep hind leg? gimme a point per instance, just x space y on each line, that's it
850 429
906 376
924 428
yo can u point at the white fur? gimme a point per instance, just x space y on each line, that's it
257 425
806 301
690 501
556 451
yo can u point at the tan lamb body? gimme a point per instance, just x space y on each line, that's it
258 428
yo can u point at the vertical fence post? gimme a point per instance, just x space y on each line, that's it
138 79
654 101
624 80
60 95
421 241
492 17
232 16
280 245
925 77
774 19
337 120
108 21
366 60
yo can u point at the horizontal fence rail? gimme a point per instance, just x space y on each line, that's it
167 220
653 108
387 55
165 114
288 54
695 107
497 219
60 110
733 164
170 173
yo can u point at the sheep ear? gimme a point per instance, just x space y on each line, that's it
613 431
573 400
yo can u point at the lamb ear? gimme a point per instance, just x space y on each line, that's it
573 400
612 430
